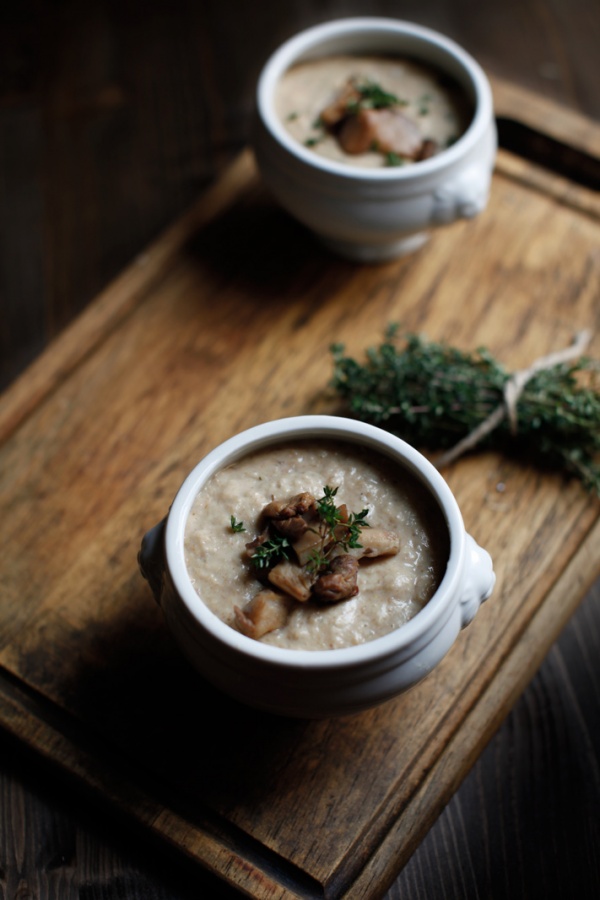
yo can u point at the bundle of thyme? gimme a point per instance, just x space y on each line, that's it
438 397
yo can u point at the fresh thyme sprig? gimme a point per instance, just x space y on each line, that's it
372 96
338 528
434 395
272 551
327 509
394 159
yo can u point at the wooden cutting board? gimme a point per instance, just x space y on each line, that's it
225 322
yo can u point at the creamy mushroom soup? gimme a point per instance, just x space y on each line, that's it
399 561
371 111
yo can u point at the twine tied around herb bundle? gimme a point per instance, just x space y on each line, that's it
512 392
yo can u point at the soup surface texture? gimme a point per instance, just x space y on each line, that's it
391 590
437 107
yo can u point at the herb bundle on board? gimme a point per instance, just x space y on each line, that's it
441 398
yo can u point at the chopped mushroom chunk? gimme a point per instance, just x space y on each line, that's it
289 517
298 505
307 545
266 612
339 582
292 579
378 542
428 149
333 114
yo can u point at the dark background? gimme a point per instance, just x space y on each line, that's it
114 115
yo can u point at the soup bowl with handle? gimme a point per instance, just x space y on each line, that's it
316 683
376 214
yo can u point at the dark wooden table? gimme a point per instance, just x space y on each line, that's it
113 117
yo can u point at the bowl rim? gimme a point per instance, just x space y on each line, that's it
310 38
324 427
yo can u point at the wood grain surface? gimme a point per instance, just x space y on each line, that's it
218 334
54 855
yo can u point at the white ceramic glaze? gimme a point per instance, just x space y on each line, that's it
377 214
319 683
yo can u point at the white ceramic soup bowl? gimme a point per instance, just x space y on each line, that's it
376 214
315 683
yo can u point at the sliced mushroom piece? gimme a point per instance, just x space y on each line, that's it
292 580
267 611
307 544
373 542
377 542
337 110
384 130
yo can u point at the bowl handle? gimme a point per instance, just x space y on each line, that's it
478 580
463 197
151 558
